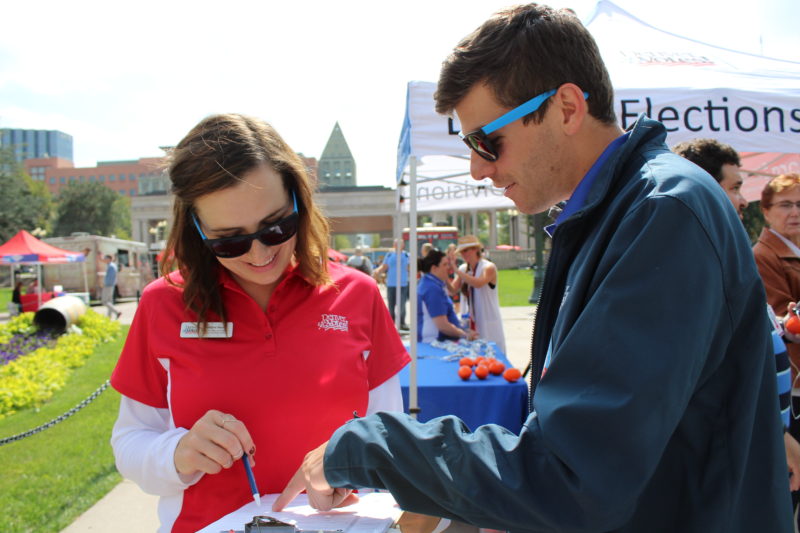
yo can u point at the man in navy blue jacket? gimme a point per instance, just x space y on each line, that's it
654 406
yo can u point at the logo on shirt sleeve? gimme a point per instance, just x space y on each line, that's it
333 322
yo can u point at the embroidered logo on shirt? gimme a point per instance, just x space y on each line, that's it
335 322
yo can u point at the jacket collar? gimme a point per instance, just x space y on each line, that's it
771 241
433 279
643 131
578 199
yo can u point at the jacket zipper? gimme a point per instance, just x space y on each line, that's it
546 297
533 378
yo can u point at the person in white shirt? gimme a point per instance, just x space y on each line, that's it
479 276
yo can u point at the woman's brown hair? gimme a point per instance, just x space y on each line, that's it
213 156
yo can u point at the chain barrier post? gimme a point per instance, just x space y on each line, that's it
58 419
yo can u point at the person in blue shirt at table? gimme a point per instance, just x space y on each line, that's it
436 318
657 412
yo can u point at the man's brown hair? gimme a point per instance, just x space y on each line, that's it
523 51
708 154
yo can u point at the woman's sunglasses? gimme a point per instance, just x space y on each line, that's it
479 141
272 235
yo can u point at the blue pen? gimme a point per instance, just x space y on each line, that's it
251 479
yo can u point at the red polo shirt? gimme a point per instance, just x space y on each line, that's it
293 374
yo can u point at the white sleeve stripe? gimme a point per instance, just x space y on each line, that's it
144 447
386 397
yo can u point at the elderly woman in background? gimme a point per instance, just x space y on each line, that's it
777 255
777 251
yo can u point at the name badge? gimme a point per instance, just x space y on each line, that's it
214 330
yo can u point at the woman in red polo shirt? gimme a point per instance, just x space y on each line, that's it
252 345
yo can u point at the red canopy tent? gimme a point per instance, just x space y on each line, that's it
25 249
760 167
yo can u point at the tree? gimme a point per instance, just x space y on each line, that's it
753 220
24 203
342 241
92 208
504 227
482 231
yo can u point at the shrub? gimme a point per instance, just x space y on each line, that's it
30 380
21 324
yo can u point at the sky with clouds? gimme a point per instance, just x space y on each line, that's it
125 79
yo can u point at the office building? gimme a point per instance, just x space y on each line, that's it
29 144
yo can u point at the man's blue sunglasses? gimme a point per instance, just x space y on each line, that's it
272 235
479 141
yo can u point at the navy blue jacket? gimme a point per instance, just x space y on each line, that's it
658 411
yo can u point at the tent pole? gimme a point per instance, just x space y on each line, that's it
413 405
86 281
39 283
398 239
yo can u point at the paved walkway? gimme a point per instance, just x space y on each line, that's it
132 511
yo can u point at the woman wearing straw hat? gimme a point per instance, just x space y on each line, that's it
480 277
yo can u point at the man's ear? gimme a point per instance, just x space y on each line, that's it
572 106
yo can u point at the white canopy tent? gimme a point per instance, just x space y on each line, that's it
696 89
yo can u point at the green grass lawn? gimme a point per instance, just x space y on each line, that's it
50 478
514 287
5 297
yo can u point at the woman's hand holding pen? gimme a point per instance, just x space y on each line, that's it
215 442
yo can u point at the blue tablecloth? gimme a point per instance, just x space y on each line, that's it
477 402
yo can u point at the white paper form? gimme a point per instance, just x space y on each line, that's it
374 513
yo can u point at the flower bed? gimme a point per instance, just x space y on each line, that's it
28 380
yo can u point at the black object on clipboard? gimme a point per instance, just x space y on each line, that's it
268 524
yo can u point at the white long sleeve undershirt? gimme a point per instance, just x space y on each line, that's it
144 439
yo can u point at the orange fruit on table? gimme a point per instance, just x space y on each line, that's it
512 374
793 325
466 361
496 367
480 360
481 371
464 372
